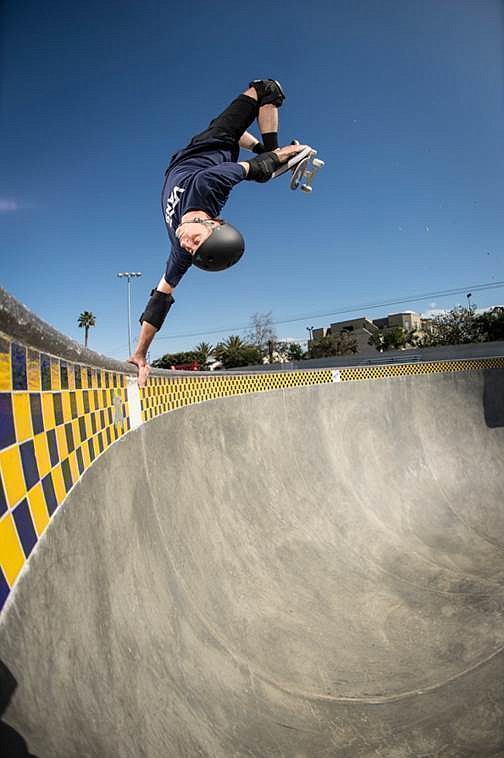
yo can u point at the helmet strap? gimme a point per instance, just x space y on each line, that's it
206 221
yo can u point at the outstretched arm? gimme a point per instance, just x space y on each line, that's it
147 334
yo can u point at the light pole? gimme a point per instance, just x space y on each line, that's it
468 296
310 329
129 276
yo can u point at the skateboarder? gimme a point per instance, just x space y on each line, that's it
197 184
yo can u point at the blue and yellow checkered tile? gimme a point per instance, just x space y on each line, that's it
55 419
12 556
162 395
19 367
5 365
3 500
7 430
360 373
4 589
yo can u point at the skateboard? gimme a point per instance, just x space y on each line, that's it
304 167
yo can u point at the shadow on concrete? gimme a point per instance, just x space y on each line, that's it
12 745
493 398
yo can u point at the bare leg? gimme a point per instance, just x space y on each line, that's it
267 120
147 334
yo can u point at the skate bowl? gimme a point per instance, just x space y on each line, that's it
306 571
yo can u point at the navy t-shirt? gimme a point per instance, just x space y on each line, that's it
196 180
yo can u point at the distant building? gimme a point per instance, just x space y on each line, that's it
363 328
406 320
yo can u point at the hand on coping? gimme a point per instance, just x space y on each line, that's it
143 368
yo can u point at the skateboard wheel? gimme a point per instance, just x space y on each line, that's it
318 163
306 188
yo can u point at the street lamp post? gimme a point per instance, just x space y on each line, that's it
129 276
468 296
310 329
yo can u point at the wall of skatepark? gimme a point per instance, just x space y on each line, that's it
63 408
63 405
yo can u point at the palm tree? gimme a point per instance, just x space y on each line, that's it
231 345
203 352
235 352
86 320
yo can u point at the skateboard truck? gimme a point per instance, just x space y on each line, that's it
305 172
304 167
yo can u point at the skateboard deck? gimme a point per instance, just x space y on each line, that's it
304 167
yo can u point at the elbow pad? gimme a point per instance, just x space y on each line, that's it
261 167
156 309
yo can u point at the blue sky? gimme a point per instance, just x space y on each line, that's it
402 99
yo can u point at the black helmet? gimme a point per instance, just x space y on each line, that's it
222 249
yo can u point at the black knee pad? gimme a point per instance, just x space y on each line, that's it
156 309
269 91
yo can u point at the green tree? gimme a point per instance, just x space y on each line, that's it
393 339
203 351
234 352
86 320
490 324
377 340
455 327
333 344
294 351
291 351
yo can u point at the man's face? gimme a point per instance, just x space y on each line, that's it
192 234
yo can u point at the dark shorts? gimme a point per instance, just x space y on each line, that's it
224 131
229 125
